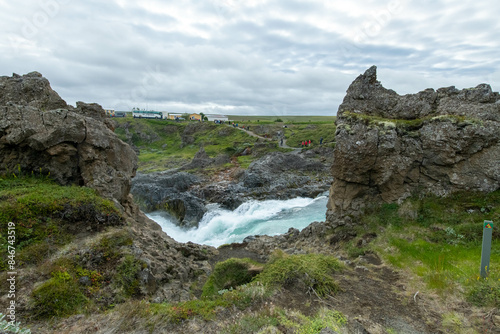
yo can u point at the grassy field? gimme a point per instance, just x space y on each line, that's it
285 119
167 144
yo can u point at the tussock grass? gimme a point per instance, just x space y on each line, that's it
312 271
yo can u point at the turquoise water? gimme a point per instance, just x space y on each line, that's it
219 226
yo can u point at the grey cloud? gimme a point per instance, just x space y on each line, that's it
231 56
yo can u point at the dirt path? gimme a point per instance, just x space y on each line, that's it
251 133
284 145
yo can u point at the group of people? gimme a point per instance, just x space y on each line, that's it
307 143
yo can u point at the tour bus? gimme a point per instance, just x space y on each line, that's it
147 114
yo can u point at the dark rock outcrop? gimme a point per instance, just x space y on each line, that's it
40 133
283 176
169 191
390 146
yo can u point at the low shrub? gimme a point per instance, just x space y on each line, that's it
313 271
59 296
229 274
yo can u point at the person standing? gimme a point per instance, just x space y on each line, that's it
321 141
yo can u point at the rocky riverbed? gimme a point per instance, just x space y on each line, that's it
275 176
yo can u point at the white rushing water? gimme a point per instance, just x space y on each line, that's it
219 226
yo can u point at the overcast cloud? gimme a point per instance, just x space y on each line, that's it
278 57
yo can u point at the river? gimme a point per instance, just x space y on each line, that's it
272 217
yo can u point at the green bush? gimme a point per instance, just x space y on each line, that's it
126 277
485 293
59 296
313 271
228 274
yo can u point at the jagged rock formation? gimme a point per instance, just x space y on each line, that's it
390 146
39 132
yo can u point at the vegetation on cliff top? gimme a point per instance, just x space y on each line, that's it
406 124
74 243
47 216
167 144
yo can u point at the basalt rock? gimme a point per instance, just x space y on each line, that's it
282 176
169 191
389 147
40 133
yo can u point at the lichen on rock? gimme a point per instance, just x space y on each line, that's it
389 146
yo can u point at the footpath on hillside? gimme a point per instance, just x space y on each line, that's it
283 144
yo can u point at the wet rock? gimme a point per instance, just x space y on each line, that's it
169 191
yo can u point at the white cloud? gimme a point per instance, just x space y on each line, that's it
260 56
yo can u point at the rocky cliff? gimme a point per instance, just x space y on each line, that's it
389 147
40 133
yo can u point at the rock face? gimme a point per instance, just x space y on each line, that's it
40 133
389 147
282 176
168 191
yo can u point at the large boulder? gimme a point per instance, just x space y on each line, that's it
170 191
389 147
41 134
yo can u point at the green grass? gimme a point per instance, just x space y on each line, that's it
168 144
439 240
59 296
312 272
228 275
285 119
235 283
295 134
408 124
43 213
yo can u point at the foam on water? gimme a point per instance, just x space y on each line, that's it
219 226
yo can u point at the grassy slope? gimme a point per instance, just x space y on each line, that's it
438 240
63 234
168 144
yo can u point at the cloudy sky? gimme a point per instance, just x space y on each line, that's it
277 57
